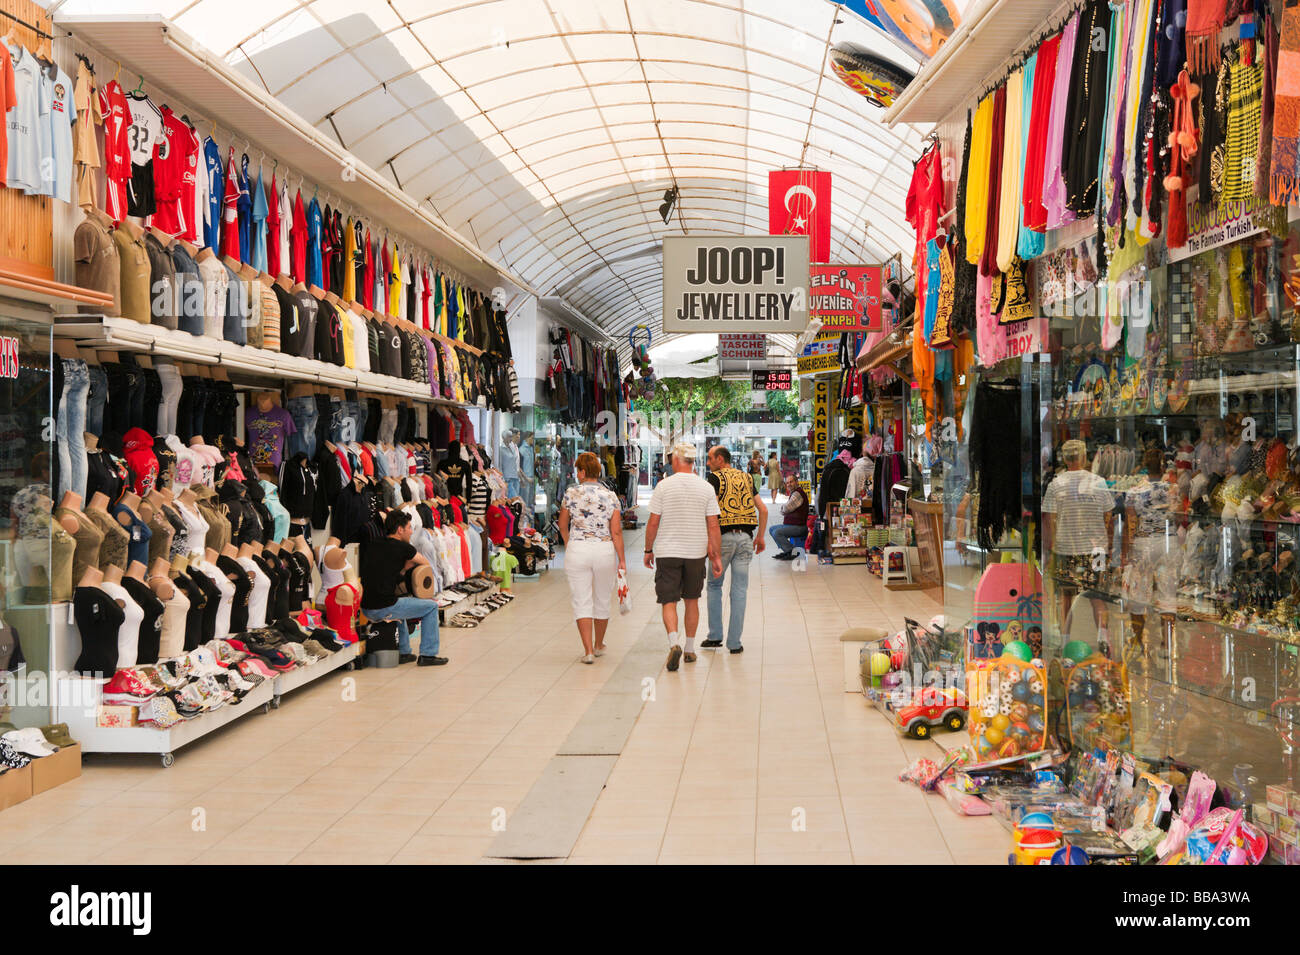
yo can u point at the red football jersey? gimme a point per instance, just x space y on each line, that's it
298 233
273 229
172 152
117 147
230 213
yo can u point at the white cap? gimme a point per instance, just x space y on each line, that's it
684 451
30 741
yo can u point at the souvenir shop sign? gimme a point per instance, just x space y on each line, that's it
752 347
1213 226
846 297
736 284
821 357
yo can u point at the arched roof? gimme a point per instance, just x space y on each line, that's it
548 130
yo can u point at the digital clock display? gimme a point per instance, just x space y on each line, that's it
772 380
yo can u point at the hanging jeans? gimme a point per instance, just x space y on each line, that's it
171 397
96 400
303 412
71 427
737 552
387 425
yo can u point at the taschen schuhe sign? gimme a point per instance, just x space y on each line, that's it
736 284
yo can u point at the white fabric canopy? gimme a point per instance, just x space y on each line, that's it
548 130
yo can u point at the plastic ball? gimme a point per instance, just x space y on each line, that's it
1036 820
880 664
1012 675
1020 692
989 706
982 744
1000 722
1077 651
1019 650
994 735
1035 699
1035 685
1035 723
1005 708
1008 748
1020 728
897 659
1019 712
1070 855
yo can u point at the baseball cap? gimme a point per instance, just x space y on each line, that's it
58 734
30 741
684 451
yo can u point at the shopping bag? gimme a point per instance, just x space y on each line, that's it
624 594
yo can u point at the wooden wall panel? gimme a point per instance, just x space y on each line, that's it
26 222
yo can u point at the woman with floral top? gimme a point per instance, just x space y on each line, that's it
591 524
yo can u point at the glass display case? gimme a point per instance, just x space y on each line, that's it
1173 441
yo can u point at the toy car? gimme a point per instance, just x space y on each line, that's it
930 707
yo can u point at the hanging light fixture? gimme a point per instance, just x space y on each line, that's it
669 203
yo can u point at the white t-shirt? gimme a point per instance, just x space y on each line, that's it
146 127
63 113
26 122
1080 500
683 502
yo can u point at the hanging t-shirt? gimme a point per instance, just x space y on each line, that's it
215 194
62 114
267 433
272 239
194 187
170 158
245 210
284 210
146 128
298 235
8 100
314 276
230 210
28 114
259 211
504 564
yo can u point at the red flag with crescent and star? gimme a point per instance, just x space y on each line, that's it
799 203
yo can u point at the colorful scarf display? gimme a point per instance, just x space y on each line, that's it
1284 177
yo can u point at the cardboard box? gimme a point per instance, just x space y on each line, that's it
118 715
15 786
1278 798
55 770
1293 804
1263 817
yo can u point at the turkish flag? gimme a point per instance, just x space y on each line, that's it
799 203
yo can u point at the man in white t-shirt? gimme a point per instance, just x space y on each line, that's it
681 534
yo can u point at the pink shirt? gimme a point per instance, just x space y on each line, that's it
1053 178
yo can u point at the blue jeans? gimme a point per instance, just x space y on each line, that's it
408 608
512 487
302 410
737 552
96 400
70 425
788 536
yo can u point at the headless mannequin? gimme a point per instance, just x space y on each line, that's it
93 577
229 551
98 502
246 551
113 574
273 547
135 570
159 582
188 498
210 555
179 564
72 501
131 501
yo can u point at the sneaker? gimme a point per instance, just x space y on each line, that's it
710 644
406 658
431 662
674 657
789 556
738 650
589 658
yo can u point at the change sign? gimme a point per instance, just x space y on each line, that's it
736 284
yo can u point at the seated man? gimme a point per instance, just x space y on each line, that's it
386 563
793 530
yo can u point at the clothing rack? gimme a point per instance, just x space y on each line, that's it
23 23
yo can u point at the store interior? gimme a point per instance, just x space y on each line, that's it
275 284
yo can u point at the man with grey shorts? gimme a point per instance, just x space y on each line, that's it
681 534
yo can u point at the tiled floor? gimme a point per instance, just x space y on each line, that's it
760 757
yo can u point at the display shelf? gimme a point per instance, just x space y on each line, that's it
83 721
127 335
286 682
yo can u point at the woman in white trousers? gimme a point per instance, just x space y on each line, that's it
591 525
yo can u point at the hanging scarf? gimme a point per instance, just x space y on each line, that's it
1245 104
1205 19
963 295
1029 244
1012 154
1117 113
1266 114
1284 178
1058 213
1035 213
988 261
976 181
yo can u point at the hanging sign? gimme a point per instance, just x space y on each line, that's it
799 203
846 297
821 356
771 380
821 429
736 284
749 347
1212 226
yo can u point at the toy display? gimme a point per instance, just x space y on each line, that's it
1091 702
930 707
1008 711
1034 840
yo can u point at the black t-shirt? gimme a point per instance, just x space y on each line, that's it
211 604
243 587
290 320
381 572
454 473
151 625
390 345
194 616
98 618
373 338
301 337
329 334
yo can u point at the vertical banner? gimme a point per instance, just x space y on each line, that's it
821 429
799 203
